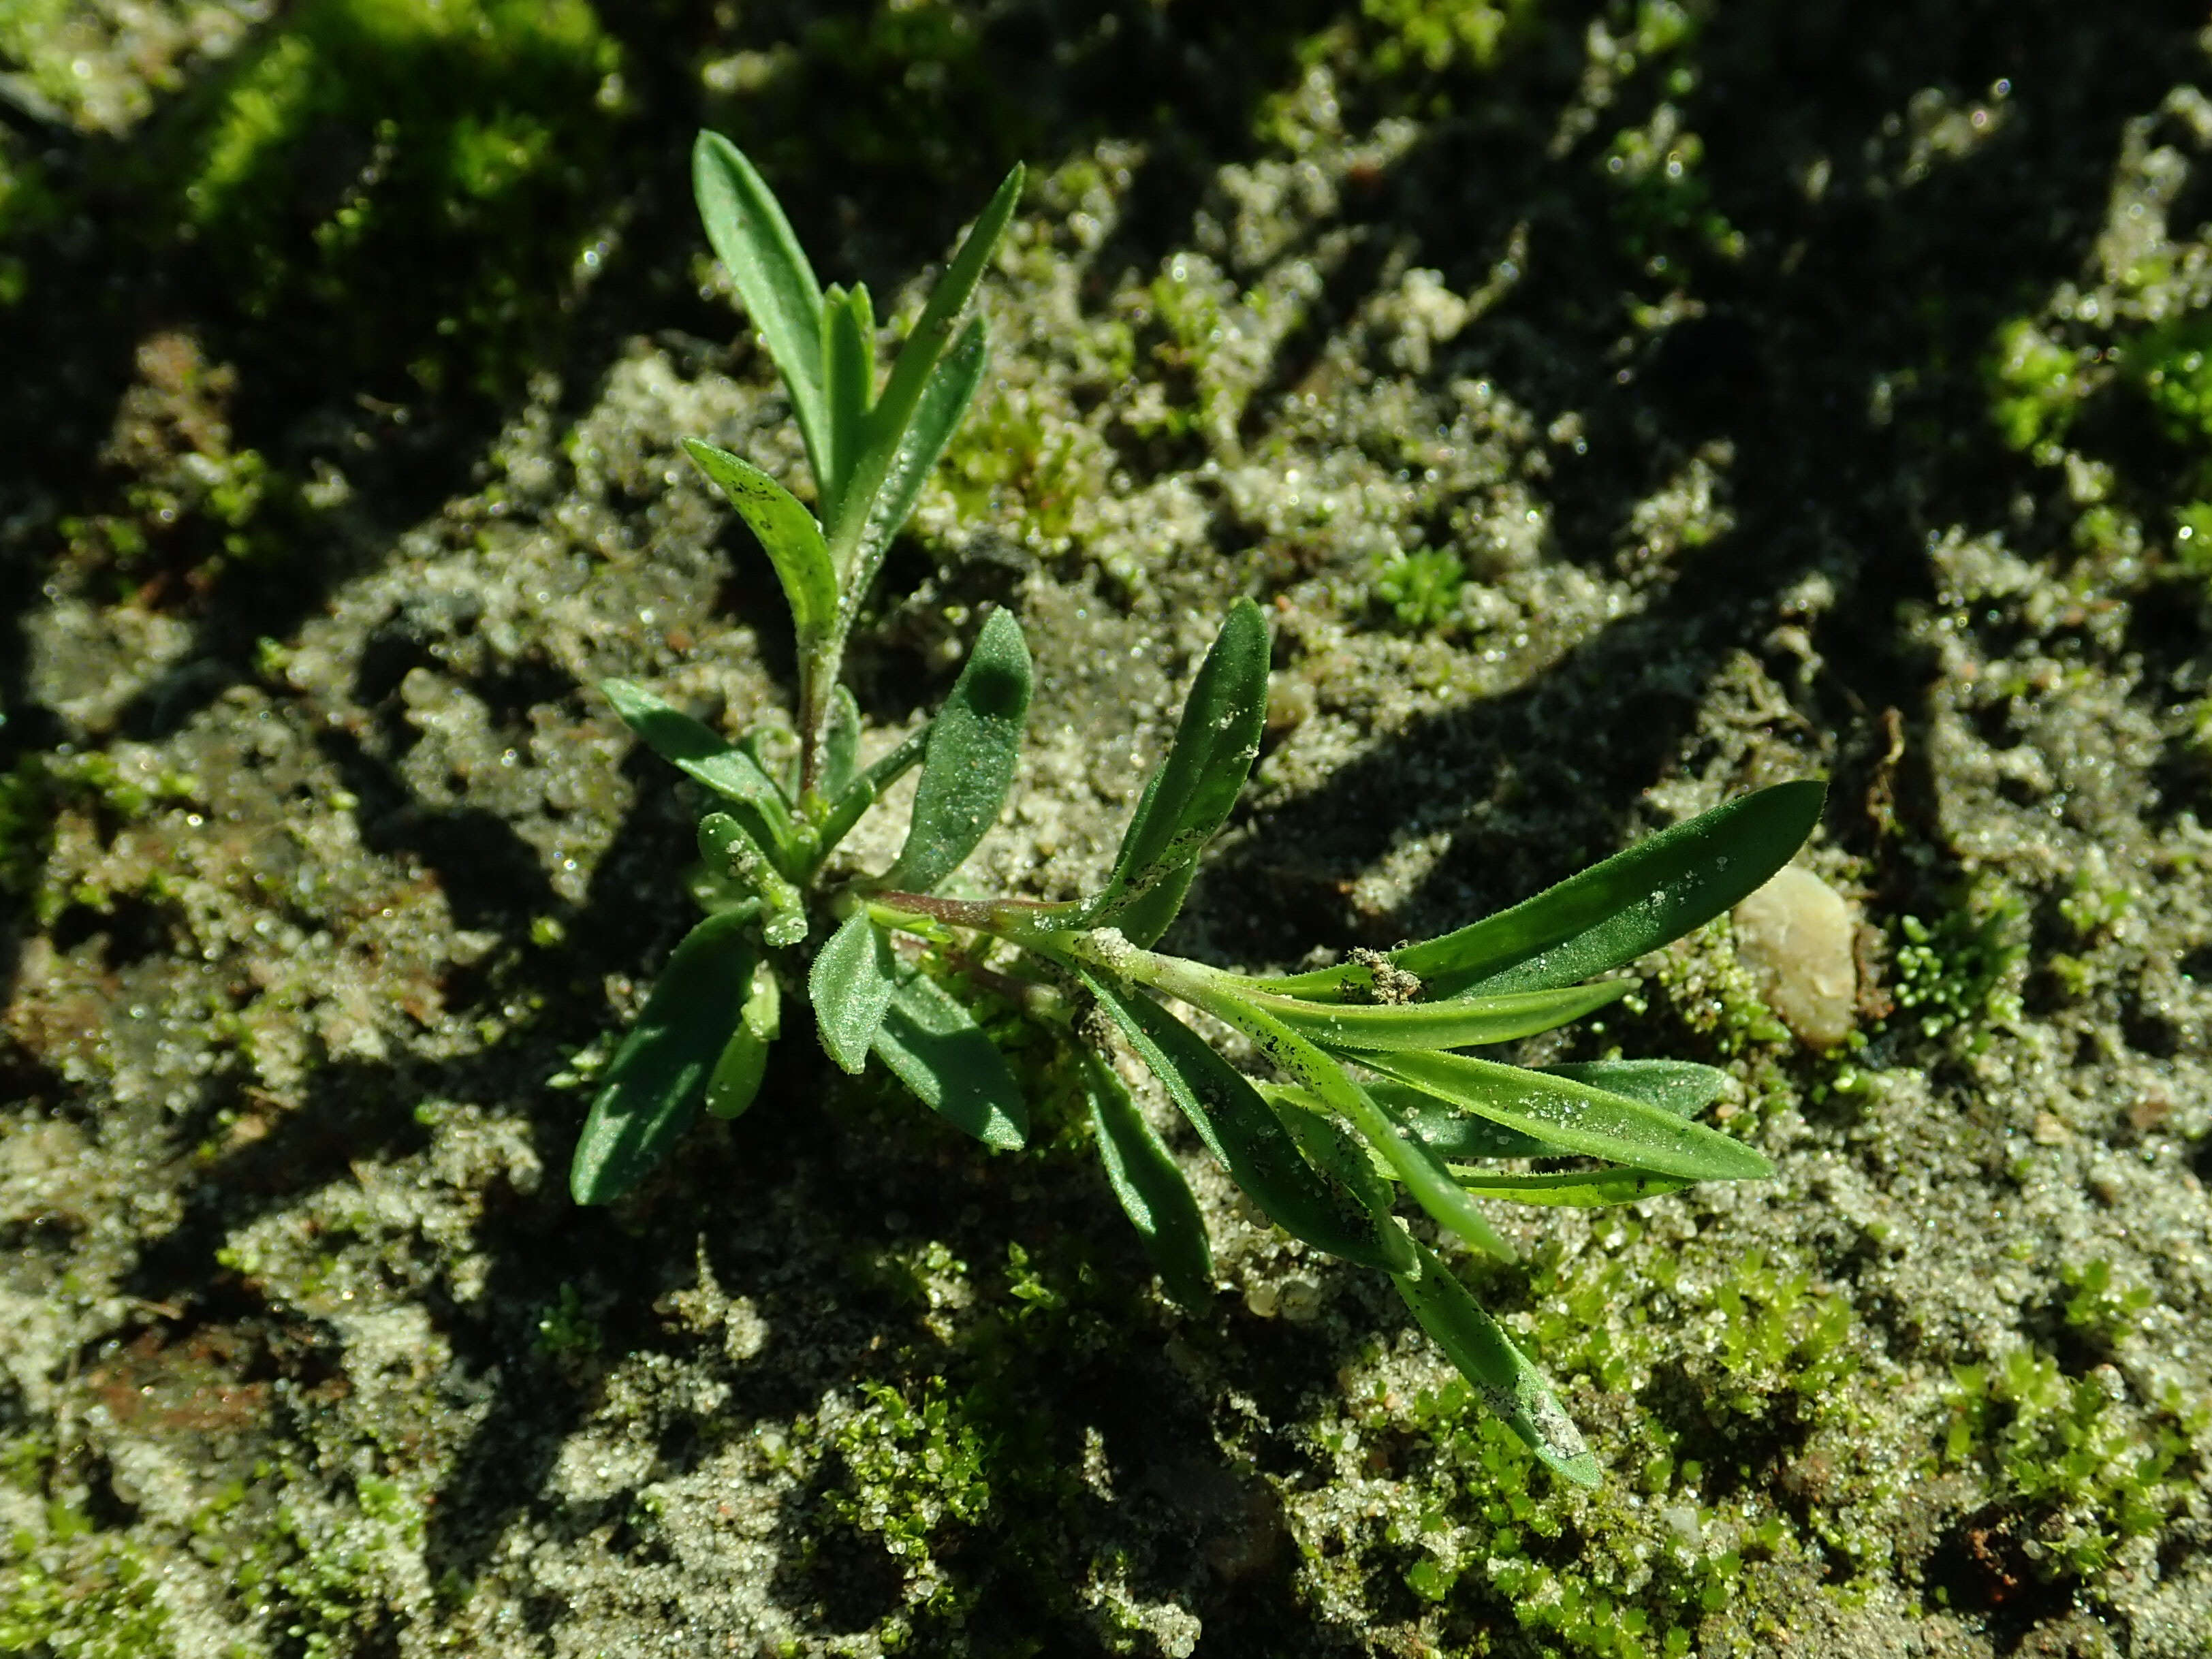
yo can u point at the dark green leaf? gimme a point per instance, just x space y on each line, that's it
1458 1023
1190 794
848 363
1239 1127
1675 1086
943 403
658 1077
1153 912
1412 1160
850 985
1611 914
786 533
1152 1191
753 241
1507 1382
974 744
933 1044
841 744
1337 1152
1573 1118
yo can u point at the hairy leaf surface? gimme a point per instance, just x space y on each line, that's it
1151 1188
974 744
934 1046
850 985
750 235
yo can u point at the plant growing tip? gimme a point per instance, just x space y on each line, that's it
1371 1100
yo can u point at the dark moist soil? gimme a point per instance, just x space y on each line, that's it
1616 408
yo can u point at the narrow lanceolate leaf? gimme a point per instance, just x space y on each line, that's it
850 985
1189 796
934 1046
1412 1160
1460 1137
1456 1137
658 1077
1611 914
753 240
1573 1118
786 533
1458 1023
972 745
1152 1190
864 521
699 752
1486 1356
1239 1127
1673 1086
945 401
848 369
1582 1189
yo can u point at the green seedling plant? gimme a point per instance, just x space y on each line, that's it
1369 1101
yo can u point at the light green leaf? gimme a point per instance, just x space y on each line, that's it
1197 783
738 1073
752 238
944 402
841 744
1582 1189
1458 1023
786 533
1505 1382
934 1046
848 364
1240 1129
850 985
1456 1137
1611 914
974 744
1673 1086
1573 1118
1152 1190
658 1076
